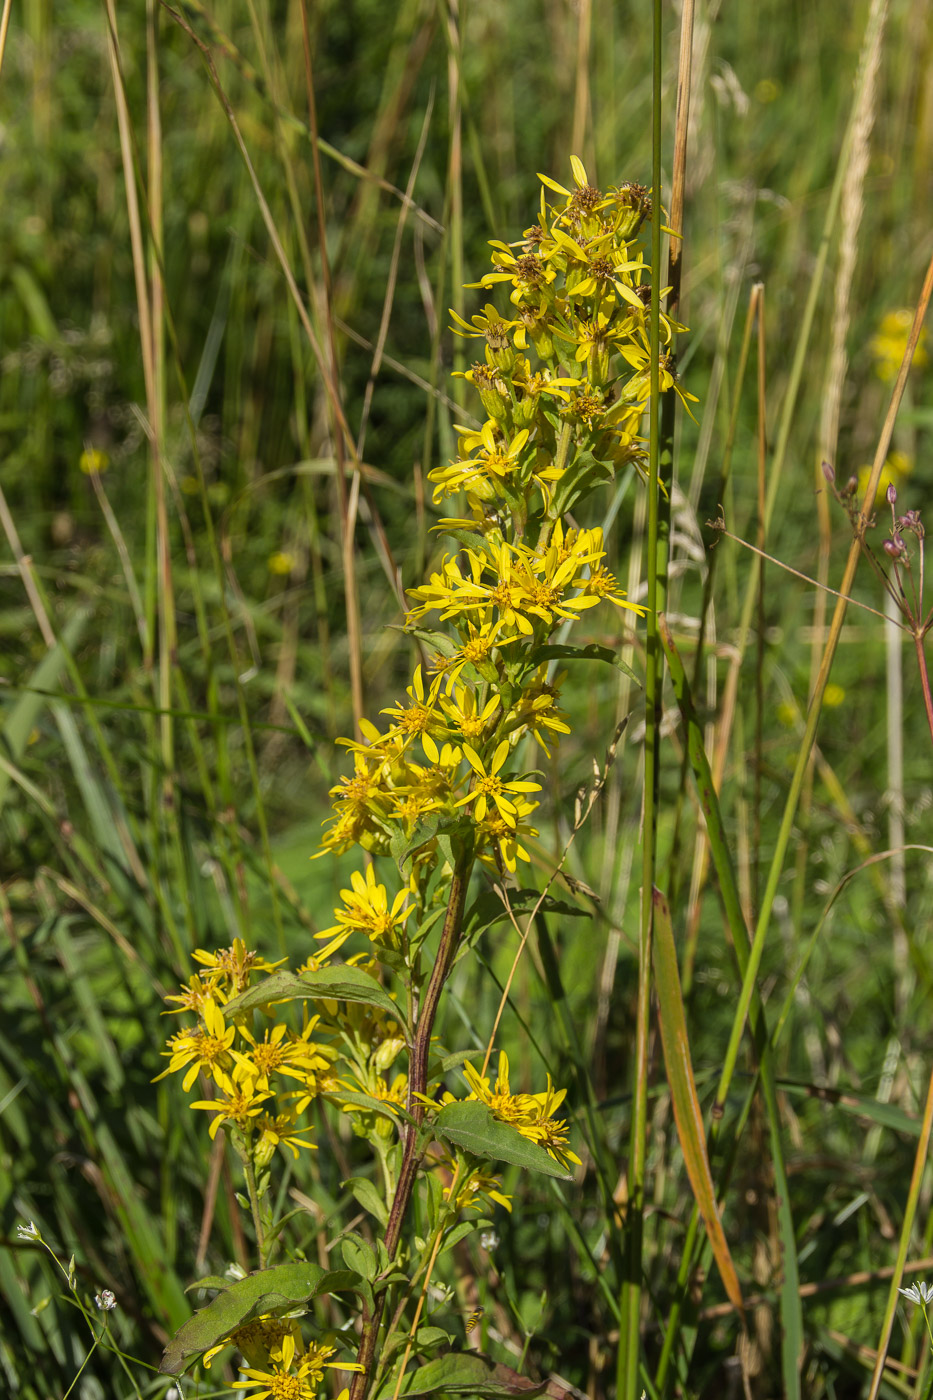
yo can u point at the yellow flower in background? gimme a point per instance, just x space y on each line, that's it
92 461
833 696
281 563
890 342
897 467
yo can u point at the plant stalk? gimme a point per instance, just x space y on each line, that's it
417 1084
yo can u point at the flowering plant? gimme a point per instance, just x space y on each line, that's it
441 791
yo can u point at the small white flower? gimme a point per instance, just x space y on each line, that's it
489 1240
105 1300
27 1232
920 1292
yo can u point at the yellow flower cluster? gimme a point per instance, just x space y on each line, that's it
279 1361
262 1086
531 1114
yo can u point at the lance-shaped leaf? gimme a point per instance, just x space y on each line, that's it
472 1127
339 983
266 1291
464 1373
686 1105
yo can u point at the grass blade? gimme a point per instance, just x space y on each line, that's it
687 1115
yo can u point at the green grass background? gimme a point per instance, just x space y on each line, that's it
129 836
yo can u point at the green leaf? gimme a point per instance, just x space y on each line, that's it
557 651
458 1233
369 1198
427 1337
583 473
358 1256
265 1291
19 720
435 824
471 1126
438 641
464 1373
470 539
368 1104
211 1281
338 983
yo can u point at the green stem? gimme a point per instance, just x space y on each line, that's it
250 1175
417 1082
627 1361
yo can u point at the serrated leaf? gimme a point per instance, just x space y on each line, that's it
338 983
265 1291
465 1373
472 1127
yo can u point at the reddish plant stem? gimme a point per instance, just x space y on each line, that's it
417 1081
924 677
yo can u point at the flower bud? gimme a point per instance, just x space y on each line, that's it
828 473
891 493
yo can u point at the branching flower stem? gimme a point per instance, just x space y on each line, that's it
417 1079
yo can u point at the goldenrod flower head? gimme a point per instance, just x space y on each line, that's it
239 1099
206 1048
366 910
229 969
488 787
294 1375
258 1340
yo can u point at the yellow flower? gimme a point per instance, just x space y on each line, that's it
229 968
288 1381
240 1100
499 843
276 1130
490 788
417 717
281 562
92 461
207 1048
282 1052
366 910
257 1340
468 1194
889 344
464 713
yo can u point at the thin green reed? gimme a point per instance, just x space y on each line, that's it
628 1356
